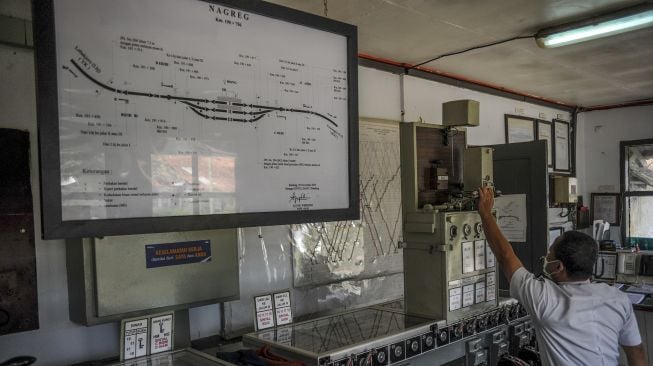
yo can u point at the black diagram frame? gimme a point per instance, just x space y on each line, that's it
52 224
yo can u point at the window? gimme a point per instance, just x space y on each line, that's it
637 190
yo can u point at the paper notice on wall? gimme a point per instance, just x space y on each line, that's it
134 335
264 319
511 215
264 312
282 299
263 303
284 315
282 308
161 334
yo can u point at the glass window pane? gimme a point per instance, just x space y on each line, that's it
639 175
639 213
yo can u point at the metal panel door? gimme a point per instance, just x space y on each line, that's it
521 168
19 310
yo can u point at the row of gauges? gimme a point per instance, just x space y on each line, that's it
412 347
467 230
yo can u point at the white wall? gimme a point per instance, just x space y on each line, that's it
380 93
599 134
424 98
57 339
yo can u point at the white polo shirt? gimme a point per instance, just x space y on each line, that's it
576 323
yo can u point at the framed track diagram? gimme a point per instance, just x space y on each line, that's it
327 252
172 115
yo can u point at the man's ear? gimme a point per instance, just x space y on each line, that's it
560 267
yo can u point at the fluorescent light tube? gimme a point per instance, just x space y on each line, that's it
594 30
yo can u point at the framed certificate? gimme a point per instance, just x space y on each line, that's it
606 206
561 146
519 129
544 132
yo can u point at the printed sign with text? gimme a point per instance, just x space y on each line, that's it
161 333
172 254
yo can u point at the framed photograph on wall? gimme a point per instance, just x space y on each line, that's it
544 132
606 206
519 129
561 145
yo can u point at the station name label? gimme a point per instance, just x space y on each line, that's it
172 254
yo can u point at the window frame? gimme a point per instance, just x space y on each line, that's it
625 193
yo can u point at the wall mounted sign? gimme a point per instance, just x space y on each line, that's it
264 312
282 308
146 335
512 216
134 338
161 333
171 254
273 309
174 115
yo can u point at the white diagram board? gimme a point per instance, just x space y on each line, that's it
185 107
334 251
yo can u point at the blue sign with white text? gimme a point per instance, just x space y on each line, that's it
172 254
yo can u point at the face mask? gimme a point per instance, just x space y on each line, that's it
546 263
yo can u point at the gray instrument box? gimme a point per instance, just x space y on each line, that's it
460 113
450 272
478 168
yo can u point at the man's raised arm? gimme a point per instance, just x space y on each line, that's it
499 244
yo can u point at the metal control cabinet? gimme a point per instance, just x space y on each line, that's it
478 170
108 278
564 189
450 272
383 336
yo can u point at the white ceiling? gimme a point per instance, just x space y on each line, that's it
608 71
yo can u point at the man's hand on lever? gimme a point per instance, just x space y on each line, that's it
498 243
